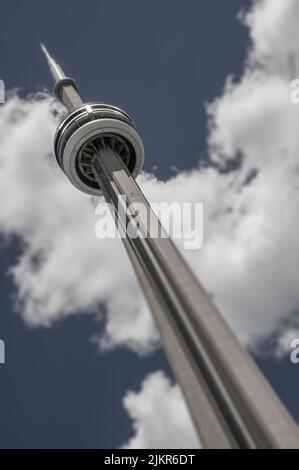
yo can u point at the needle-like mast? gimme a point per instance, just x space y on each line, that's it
65 88
55 69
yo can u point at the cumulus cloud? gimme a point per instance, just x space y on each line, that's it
274 33
255 120
159 416
250 212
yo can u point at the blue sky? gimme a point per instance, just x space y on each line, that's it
160 61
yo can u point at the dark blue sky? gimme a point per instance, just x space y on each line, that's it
160 61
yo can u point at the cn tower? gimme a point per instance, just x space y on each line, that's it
231 404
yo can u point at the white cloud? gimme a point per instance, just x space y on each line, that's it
273 28
159 415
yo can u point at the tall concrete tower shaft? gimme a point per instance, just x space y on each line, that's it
230 402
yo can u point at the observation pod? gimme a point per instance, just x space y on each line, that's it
85 132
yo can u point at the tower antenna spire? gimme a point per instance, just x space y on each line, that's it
65 88
55 69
